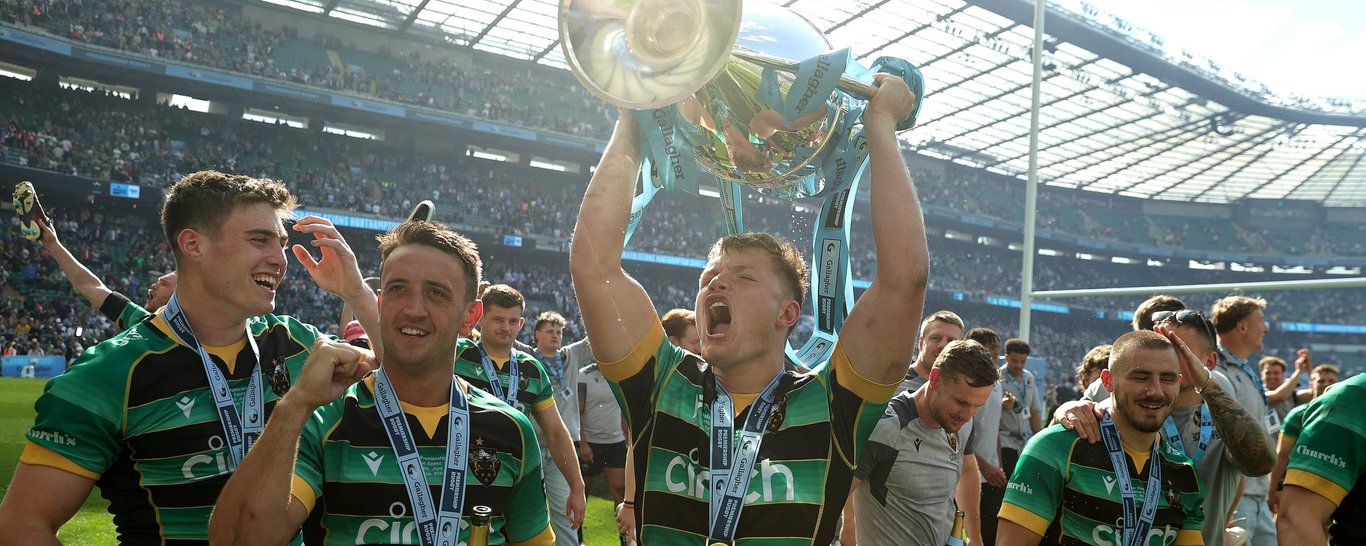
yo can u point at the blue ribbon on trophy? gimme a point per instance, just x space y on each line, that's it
814 131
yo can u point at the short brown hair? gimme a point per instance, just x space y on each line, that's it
941 316
1229 311
986 336
1318 370
1137 339
1017 346
549 317
1143 316
1097 359
969 361
440 237
1271 361
201 200
677 321
785 257
504 296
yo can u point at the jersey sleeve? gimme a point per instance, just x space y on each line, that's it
1330 452
81 412
527 517
875 461
118 308
637 376
856 404
1035 490
543 393
308 465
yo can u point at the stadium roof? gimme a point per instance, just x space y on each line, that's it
1120 112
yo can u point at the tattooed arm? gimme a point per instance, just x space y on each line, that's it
1244 435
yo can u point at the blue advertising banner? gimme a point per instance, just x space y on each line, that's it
32 366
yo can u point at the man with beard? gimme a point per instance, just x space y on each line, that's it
904 488
1065 489
1241 325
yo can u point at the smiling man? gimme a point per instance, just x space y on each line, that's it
800 433
1067 490
139 415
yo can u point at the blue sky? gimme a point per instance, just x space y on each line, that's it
1310 47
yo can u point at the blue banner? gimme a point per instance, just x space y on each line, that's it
32 366
290 91
524 134
208 76
33 40
369 106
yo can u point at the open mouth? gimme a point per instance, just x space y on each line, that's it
413 333
718 318
269 282
1153 405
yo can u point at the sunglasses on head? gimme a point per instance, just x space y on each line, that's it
1185 316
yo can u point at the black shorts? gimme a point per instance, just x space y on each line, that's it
604 456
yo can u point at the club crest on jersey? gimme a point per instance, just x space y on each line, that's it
1173 496
278 376
777 414
522 382
485 464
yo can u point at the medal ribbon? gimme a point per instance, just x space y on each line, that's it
731 464
1136 526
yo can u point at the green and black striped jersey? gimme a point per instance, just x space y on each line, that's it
1064 488
136 414
346 468
1330 456
805 463
534 389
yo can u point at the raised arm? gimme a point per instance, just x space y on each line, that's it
1287 388
338 273
85 282
256 506
616 310
876 336
1244 434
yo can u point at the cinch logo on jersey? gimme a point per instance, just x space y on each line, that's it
1325 457
399 530
52 437
218 463
684 476
1105 535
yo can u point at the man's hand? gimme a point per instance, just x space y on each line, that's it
46 233
575 505
892 101
1082 416
1303 363
1008 402
330 369
337 271
585 451
1193 369
993 474
626 521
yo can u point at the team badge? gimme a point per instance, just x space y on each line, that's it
522 382
1173 497
278 376
776 415
484 462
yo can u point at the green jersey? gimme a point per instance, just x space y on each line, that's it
1063 488
1330 456
136 414
346 469
534 388
805 462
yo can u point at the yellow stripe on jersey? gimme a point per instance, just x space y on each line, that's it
1024 518
849 378
545 538
1189 537
1316 483
631 364
38 455
303 492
